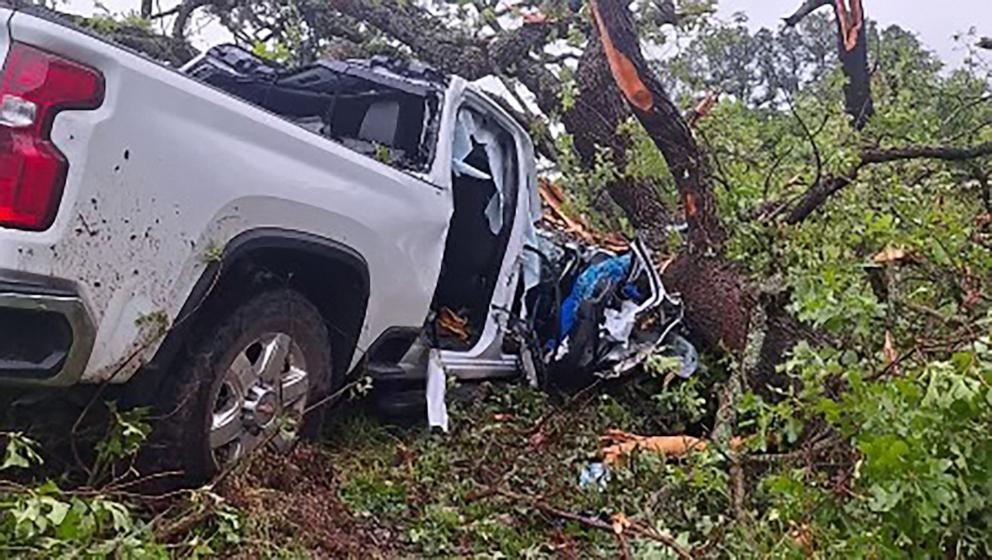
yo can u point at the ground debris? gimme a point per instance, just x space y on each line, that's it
295 498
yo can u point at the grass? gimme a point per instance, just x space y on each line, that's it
411 492
487 489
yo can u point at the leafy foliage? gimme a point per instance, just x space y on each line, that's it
871 441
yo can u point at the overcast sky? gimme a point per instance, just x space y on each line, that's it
936 23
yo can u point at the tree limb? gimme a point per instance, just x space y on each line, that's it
663 121
815 196
852 46
943 153
820 192
185 11
453 52
808 7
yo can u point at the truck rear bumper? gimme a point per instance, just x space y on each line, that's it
46 332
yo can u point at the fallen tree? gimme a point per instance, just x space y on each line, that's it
721 296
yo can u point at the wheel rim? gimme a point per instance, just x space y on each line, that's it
261 399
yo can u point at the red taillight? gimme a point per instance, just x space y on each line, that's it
37 85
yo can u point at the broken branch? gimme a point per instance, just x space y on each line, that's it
945 153
852 44
537 504
808 7
821 191
662 120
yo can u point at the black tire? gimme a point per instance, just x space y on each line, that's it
180 438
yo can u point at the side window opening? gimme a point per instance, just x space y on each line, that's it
360 104
485 177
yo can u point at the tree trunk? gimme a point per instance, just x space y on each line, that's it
717 305
852 43
593 121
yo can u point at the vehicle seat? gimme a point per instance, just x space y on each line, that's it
381 122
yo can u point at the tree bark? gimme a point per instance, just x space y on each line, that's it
664 123
717 305
593 121
852 45
852 42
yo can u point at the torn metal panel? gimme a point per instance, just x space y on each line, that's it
616 313
437 409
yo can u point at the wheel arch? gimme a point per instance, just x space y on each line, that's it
332 275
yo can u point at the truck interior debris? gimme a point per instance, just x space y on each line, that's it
366 105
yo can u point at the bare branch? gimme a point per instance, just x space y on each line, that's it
944 153
164 13
184 12
635 528
808 7
812 141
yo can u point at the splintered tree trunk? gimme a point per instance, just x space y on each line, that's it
597 112
852 45
664 123
717 305
852 41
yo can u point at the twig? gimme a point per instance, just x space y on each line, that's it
624 545
543 420
185 524
812 141
333 396
636 529
74 432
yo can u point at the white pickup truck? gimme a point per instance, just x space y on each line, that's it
232 238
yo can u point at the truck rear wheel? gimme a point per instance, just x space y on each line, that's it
246 384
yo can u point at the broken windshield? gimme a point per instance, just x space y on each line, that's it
378 107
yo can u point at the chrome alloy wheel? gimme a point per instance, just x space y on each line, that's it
261 400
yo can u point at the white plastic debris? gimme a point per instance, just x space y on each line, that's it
687 353
617 325
594 475
437 409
